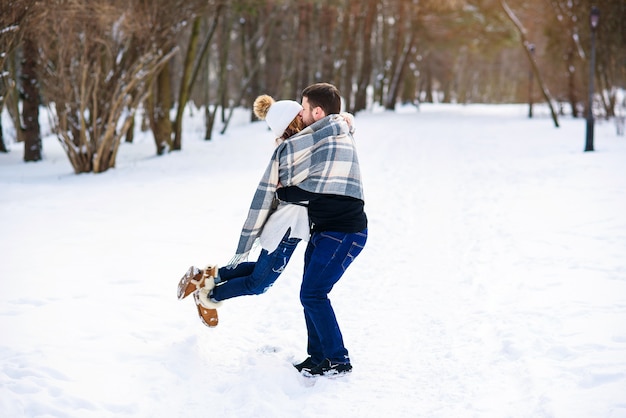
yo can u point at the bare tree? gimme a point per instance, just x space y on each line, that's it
364 78
9 95
563 41
223 47
96 74
406 27
327 45
254 43
191 68
30 107
525 43
13 22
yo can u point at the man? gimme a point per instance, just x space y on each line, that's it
334 193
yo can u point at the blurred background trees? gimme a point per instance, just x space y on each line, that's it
95 64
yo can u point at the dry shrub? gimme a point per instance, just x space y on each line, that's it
98 61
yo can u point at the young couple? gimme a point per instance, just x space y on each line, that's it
311 190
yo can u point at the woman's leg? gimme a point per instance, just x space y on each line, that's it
228 273
266 270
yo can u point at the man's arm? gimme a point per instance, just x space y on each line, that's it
293 194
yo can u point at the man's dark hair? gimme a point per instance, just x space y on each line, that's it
324 95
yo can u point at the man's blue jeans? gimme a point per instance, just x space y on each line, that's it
254 278
327 257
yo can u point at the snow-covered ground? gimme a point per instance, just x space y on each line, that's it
493 283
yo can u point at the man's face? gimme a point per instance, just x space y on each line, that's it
310 114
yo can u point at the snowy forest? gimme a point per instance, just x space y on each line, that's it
96 65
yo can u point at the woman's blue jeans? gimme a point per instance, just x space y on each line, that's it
327 257
254 278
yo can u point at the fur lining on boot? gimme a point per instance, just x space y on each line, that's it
205 300
210 272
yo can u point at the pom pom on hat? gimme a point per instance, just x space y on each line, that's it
277 114
262 105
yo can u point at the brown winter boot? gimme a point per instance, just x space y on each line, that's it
194 280
208 316
207 309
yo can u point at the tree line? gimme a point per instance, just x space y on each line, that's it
95 64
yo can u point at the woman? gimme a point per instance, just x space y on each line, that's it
278 234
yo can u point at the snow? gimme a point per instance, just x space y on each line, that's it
493 283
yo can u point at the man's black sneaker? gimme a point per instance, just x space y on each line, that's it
307 365
327 368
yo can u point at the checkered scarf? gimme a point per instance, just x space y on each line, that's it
320 159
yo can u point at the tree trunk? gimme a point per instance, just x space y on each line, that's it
184 91
220 103
209 119
399 38
398 74
301 50
224 53
571 84
364 79
273 74
12 99
328 24
525 44
252 47
3 147
202 64
30 105
429 86
130 135
350 28
409 89
160 112
611 92
204 51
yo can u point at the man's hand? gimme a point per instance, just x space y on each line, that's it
349 118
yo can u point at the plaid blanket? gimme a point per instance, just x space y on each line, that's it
320 159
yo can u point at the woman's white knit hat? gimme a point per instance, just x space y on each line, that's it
278 115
